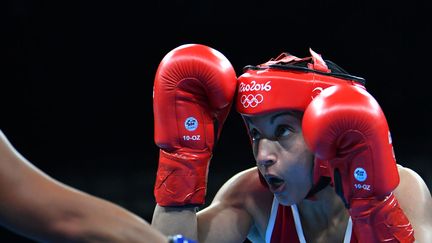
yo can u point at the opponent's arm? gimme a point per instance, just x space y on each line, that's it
193 90
415 199
39 207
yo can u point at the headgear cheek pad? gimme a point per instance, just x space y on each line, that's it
290 83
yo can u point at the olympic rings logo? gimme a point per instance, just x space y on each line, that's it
251 100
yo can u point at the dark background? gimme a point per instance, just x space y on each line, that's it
76 85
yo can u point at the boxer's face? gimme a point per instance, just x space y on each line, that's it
282 155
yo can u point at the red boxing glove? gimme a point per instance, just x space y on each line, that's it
346 126
193 92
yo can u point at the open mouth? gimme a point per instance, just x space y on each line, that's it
275 183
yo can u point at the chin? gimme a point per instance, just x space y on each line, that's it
290 196
285 200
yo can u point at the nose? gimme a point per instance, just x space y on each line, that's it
265 153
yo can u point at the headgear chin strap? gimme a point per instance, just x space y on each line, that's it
290 83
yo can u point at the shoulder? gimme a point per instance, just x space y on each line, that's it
245 190
239 208
411 185
415 200
243 187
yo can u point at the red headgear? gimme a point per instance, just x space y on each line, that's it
290 83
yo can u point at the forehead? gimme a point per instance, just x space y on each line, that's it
290 115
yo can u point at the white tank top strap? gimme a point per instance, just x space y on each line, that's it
348 231
272 220
298 224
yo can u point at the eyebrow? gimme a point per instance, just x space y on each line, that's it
273 118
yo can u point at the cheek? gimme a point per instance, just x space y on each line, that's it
298 164
298 173
308 165
298 176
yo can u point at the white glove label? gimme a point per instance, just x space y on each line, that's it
193 137
362 186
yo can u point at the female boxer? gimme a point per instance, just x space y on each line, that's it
325 168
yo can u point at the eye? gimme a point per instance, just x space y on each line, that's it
282 131
254 134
